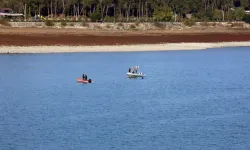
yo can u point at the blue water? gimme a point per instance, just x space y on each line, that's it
189 100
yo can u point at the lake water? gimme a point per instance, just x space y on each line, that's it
189 100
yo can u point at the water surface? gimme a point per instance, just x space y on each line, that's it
189 100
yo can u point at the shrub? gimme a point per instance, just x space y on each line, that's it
132 26
83 18
63 23
84 24
120 24
49 23
247 18
143 19
98 27
72 24
163 13
108 26
239 13
109 19
160 25
189 22
137 23
206 24
237 24
95 17
4 23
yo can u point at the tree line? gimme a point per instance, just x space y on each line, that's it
129 10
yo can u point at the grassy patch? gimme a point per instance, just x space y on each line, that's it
63 23
49 23
189 22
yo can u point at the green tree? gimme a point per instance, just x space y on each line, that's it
217 14
244 3
238 14
132 10
247 18
229 16
163 14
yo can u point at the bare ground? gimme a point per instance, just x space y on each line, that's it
52 36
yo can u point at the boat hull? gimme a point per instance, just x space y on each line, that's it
80 80
135 75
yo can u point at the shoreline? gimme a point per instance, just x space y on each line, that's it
119 48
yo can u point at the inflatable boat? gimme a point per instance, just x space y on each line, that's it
80 80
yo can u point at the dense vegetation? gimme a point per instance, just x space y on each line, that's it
133 10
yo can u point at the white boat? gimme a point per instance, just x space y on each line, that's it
133 72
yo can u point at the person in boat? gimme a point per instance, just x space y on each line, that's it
83 76
86 77
129 69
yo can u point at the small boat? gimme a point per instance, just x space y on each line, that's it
80 80
133 72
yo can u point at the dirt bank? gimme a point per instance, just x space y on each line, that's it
35 37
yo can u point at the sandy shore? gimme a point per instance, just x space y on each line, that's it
122 48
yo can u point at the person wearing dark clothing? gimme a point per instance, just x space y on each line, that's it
129 69
86 78
83 76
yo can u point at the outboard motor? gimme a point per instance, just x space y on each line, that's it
89 80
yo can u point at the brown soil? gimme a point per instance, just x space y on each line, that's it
35 36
